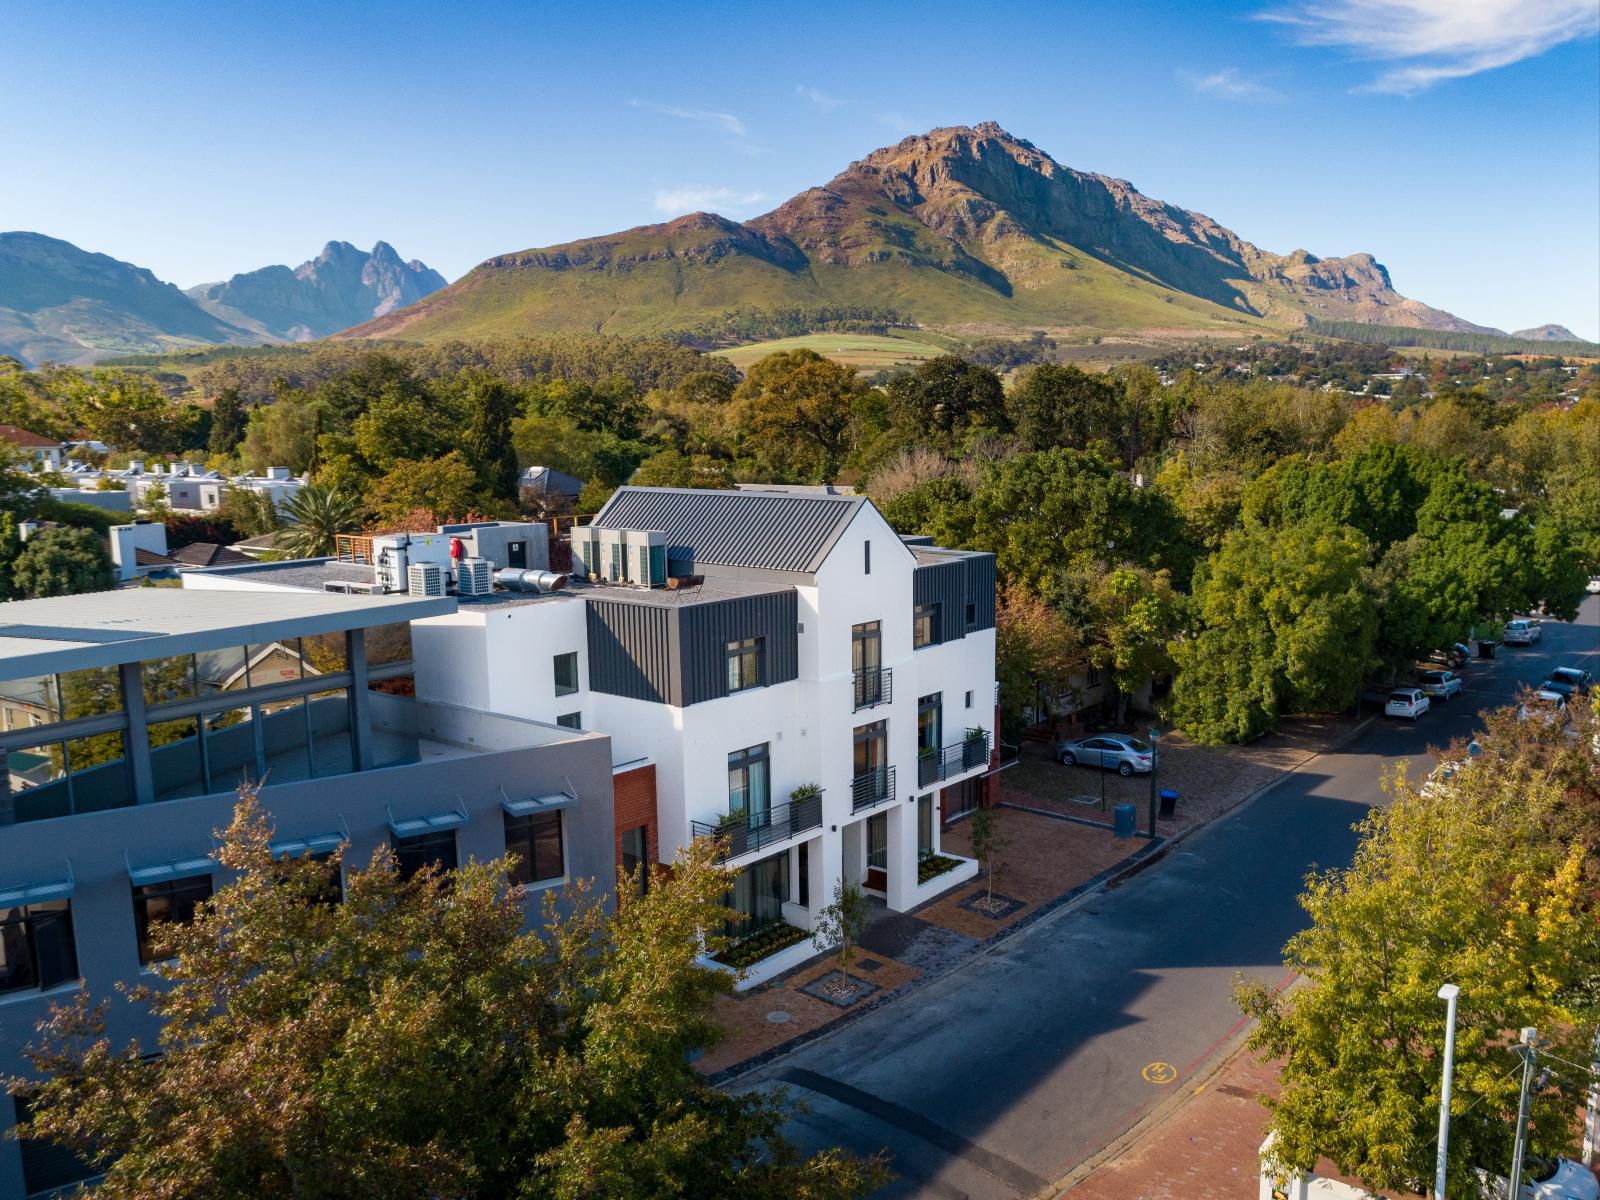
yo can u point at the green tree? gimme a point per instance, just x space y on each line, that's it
1055 406
10 547
797 412
1039 657
313 517
840 923
1283 624
417 1041
250 512
284 433
445 487
124 409
989 842
670 468
491 405
1465 884
62 562
945 400
1134 613
402 425
228 421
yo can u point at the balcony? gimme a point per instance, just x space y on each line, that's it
937 765
873 687
744 832
871 788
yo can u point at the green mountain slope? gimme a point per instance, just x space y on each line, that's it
962 228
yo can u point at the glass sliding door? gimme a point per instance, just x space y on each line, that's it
925 827
866 660
758 895
749 787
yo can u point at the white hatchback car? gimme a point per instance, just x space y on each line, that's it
1548 1179
1522 633
1406 702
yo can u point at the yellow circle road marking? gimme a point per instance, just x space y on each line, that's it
1159 1072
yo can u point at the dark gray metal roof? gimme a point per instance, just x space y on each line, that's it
766 530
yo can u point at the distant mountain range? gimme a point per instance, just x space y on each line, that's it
965 229
62 304
1548 333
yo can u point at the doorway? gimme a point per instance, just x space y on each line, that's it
878 853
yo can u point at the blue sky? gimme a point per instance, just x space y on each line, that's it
1456 140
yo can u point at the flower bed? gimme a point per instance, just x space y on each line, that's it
761 943
935 865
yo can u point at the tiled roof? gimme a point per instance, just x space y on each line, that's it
22 437
768 530
149 558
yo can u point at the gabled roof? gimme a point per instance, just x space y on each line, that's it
149 558
18 436
772 531
550 481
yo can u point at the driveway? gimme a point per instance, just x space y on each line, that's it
998 1079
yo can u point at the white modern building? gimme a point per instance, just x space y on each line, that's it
788 673
188 487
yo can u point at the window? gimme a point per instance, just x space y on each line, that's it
925 827
866 661
566 673
48 1166
745 663
929 714
749 788
636 856
969 699
924 625
412 854
536 841
570 720
1096 677
963 797
878 841
36 946
173 900
971 615
866 558
758 895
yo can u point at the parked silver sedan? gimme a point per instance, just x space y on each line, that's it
1128 755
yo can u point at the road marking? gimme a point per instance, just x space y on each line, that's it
1160 1073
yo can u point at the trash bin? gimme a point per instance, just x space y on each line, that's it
1169 802
1125 820
1486 649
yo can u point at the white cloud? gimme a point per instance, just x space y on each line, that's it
817 98
726 122
1427 41
698 198
1229 84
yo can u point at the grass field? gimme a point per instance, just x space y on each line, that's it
867 352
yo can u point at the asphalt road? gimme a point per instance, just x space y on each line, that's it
1003 1076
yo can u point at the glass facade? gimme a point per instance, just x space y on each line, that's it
924 625
758 895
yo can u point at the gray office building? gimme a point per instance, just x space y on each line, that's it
127 722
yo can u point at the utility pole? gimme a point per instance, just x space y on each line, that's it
1530 1055
1448 994
1155 736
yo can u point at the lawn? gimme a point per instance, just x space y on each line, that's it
866 352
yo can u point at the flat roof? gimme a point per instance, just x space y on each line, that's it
101 629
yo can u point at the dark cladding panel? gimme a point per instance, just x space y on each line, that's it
980 588
942 584
629 650
704 631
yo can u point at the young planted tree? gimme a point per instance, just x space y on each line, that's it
415 1041
839 925
989 842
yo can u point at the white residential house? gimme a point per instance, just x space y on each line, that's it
44 452
801 643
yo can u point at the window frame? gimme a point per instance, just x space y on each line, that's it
523 831
403 852
32 918
571 720
925 612
741 762
183 891
556 664
738 654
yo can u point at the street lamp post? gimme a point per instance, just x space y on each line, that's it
1448 994
1155 735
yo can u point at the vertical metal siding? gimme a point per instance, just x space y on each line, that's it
629 651
942 584
704 631
980 584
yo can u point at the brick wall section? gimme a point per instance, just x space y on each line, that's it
634 804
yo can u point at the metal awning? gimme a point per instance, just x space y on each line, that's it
177 868
317 843
21 895
432 823
552 802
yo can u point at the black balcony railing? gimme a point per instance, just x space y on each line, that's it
871 788
874 686
935 765
745 832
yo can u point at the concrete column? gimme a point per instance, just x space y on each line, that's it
360 710
902 891
138 734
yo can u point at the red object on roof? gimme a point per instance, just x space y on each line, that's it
18 436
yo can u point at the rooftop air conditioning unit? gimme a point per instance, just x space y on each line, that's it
336 585
474 577
647 562
425 579
367 589
613 555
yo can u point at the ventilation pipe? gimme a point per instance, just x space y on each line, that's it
514 579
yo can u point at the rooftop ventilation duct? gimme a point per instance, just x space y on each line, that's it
514 579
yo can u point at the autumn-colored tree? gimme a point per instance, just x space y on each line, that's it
1039 656
414 1040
